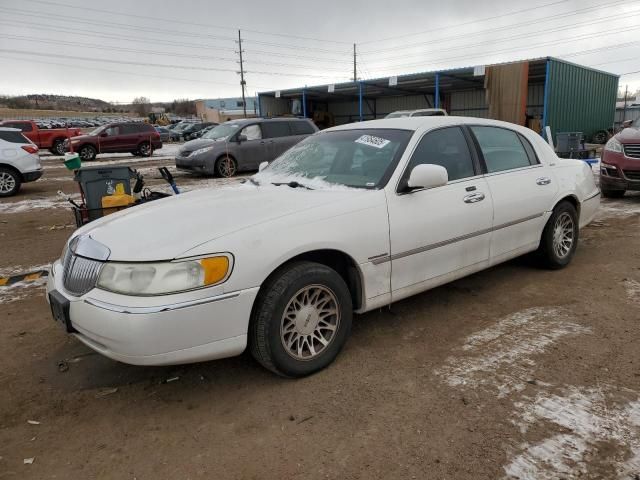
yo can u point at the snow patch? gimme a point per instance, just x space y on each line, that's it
21 290
586 418
633 290
500 357
34 204
22 270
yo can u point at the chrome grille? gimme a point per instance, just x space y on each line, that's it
79 274
632 150
632 175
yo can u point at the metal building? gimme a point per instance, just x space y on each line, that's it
536 92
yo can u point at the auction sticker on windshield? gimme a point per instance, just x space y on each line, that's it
372 141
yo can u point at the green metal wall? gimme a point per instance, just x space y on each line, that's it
579 99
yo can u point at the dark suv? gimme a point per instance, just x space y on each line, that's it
242 145
141 139
620 165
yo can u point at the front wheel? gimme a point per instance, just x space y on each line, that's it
226 167
58 147
559 237
9 182
87 153
301 320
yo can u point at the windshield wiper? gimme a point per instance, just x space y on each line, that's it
292 184
254 181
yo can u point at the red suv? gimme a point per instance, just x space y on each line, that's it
620 165
141 139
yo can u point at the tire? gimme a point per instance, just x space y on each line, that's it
87 153
226 167
58 147
559 237
271 328
145 149
612 193
10 182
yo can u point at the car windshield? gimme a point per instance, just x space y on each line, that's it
98 130
221 131
362 158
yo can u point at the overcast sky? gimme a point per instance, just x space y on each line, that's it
167 49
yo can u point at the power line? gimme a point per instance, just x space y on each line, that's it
151 52
194 24
550 43
153 41
519 36
493 30
142 29
470 22
159 65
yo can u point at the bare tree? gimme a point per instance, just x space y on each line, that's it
141 106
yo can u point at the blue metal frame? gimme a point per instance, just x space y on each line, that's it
304 103
437 101
545 101
360 100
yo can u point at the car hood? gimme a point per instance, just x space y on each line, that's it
629 135
192 145
168 228
82 138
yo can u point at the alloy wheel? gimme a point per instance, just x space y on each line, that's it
309 322
227 167
7 182
563 235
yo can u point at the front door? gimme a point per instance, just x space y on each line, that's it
254 150
522 189
439 233
108 139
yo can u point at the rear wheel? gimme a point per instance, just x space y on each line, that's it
87 153
145 150
226 167
9 182
58 147
559 237
612 193
301 319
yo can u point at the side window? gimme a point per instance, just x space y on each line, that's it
25 126
252 132
112 131
501 148
301 127
533 158
276 129
128 129
448 148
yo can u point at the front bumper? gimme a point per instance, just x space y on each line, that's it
163 330
194 163
623 182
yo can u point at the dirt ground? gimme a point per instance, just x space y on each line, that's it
515 372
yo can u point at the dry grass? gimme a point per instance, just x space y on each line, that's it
28 113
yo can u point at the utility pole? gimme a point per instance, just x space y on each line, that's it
355 76
242 82
624 110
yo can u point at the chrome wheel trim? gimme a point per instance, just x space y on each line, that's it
227 167
7 182
563 235
310 322
85 153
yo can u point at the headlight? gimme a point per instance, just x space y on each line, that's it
613 145
202 150
165 277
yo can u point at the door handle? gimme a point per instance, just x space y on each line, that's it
543 181
473 197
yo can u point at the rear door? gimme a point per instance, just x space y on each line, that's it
521 186
278 134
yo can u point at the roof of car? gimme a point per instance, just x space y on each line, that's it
415 123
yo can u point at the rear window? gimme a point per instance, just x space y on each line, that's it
275 129
24 126
301 128
13 137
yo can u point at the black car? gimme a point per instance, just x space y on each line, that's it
196 127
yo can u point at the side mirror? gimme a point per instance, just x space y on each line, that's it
428 176
262 166
242 138
104 134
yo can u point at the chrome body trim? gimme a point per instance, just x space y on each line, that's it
159 308
87 247
426 248
592 196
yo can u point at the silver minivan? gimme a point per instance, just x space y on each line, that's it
242 145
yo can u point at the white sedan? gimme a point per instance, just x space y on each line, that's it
351 219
